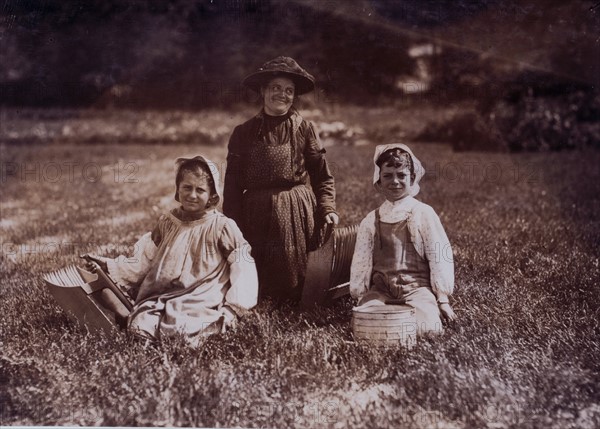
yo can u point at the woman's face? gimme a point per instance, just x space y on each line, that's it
278 96
394 182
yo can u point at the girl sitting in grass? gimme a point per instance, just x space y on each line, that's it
402 253
193 274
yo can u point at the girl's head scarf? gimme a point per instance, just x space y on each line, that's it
419 171
212 168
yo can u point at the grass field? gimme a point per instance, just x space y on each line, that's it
523 353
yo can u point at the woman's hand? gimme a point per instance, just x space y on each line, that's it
447 312
332 218
101 261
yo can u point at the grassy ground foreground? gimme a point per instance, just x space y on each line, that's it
523 353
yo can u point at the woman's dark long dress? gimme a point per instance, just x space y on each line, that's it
272 164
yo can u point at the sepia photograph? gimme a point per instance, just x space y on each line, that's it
300 214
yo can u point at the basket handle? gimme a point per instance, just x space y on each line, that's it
323 237
109 283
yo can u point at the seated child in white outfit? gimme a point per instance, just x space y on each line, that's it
193 274
402 253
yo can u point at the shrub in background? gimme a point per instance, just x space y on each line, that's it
526 118
465 131
548 122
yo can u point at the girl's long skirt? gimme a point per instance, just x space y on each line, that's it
279 225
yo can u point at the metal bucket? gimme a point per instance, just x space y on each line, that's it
385 325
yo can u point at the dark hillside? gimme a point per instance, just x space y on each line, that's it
182 54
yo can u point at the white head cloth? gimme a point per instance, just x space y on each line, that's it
418 167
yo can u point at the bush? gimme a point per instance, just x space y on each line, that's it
549 122
466 131
523 121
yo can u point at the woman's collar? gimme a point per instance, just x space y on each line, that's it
262 114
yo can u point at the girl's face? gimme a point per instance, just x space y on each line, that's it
194 192
394 182
278 96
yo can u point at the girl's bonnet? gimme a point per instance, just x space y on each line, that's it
210 166
419 171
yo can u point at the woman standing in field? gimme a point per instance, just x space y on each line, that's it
271 160
402 253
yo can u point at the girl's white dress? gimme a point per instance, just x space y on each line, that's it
185 273
403 255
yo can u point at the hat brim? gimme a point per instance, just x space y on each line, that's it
259 79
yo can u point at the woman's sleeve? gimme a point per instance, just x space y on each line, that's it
130 271
243 292
362 260
233 189
438 253
321 178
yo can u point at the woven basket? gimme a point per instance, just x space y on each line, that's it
385 325
90 299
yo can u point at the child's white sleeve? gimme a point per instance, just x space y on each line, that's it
362 260
243 293
130 271
439 255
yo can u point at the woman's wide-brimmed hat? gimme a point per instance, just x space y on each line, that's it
281 66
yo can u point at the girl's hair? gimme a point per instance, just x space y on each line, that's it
397 158
197 167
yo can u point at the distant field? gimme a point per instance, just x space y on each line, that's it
524 352
337 124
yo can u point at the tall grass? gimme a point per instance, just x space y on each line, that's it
523 353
